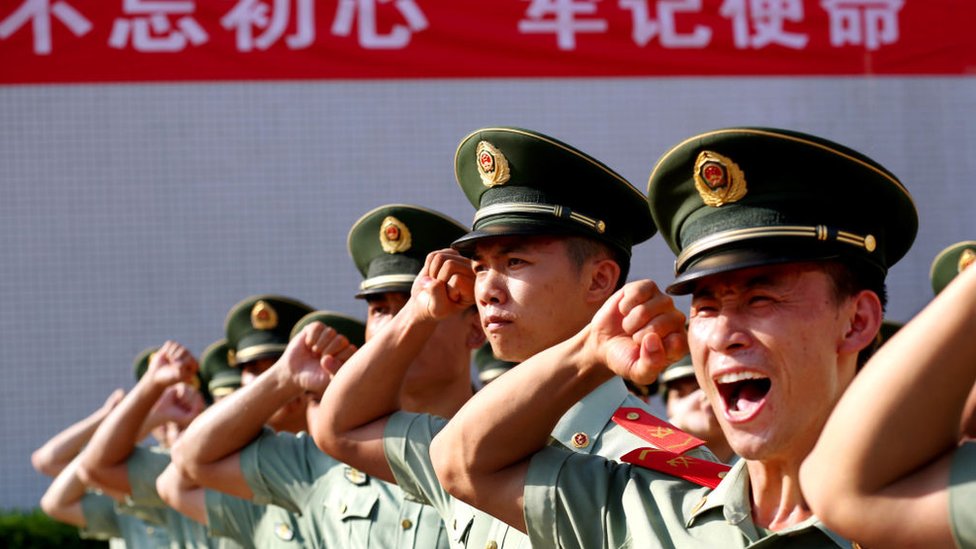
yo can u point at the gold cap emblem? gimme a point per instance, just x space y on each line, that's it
394 236
492 165
966 259
718 180
231 358
263 316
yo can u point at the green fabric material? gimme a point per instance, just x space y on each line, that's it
787 179
544 170
103 520
574 500
246 338
946 264
344 507
409 234
353 329
252 525
962 495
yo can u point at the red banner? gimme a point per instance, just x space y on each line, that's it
179 40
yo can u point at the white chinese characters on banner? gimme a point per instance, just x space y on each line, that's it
38 13
868 23
247 16
150 30
665 27
363 14
759 23
562 17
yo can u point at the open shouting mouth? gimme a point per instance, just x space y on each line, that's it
743 393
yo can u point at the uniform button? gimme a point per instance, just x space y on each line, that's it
343 508
150 530
633 416
406 524
491 545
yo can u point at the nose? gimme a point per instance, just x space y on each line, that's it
489 287
724 333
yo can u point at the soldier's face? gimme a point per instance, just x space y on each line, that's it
764 342
381 308
529 293
689 410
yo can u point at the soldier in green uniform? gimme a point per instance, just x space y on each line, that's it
551 241
349 508
113 462
488 366
889 468
218 376
783 241
70 501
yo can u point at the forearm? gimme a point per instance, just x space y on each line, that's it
229 425
509 420
62 500
904 409
367 387
56 453
103 460
182 494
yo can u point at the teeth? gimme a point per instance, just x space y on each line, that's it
738 376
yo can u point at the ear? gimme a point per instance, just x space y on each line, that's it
604 274
864 323
476 335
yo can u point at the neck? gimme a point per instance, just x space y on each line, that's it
777 502
720 447
442 399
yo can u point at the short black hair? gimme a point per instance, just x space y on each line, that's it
582 248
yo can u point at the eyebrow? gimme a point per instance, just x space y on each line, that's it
506 249
758 281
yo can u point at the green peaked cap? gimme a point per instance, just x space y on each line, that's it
489 366
682 369
389 245
525 183
258 327
218 373
353 329
744 197
950 262
141 362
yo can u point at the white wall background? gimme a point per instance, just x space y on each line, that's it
130 214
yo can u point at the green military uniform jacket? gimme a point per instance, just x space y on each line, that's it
573 500
105 519
253 525
586 428
144 466
343 506
962 495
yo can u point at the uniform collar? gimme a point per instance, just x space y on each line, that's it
589 416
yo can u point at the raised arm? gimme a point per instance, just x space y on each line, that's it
349 423
879 473
208 452
103 462
482 455
62 500
55 454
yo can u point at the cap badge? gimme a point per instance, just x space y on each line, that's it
263 316
966 259
492 165
231 358
718 180
394 236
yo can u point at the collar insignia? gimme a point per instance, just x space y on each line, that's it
263 316
394 236
354 476
718 179
492 165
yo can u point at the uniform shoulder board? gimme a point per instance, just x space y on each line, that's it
699 471
659 433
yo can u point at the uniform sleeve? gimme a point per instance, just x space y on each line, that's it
101 520
279 471
232 517
144 466
962 495
578 500
406 442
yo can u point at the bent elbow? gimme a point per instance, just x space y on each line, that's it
449 468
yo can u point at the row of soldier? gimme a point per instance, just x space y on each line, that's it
346 434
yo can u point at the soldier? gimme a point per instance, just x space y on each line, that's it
218 377
488 366
249 523
113 462
226 450
783 240
889 468
688 408
551 241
